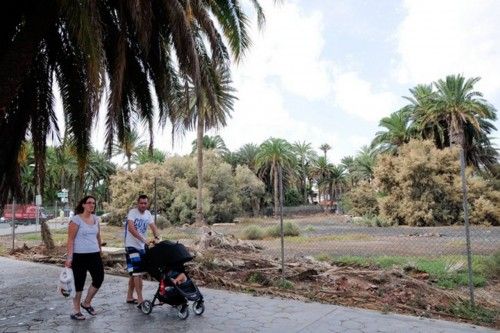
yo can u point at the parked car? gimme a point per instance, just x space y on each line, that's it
24 214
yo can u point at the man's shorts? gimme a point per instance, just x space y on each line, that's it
135 261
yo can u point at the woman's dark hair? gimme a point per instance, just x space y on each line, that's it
79 207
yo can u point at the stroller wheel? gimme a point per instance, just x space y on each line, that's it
146 307
198 307
183 311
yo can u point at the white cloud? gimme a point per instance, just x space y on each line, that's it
284 60
437 38
260 114
289 49
357 97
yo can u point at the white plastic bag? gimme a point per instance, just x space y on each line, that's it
66 285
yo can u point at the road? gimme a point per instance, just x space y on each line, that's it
6 228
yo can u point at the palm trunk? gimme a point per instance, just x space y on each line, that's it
457 138
199 156
275 185
305 189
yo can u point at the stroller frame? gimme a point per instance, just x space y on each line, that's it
175 295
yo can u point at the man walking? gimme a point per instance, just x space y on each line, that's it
138 220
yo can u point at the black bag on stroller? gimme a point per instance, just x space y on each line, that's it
164 262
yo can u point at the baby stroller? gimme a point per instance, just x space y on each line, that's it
164 262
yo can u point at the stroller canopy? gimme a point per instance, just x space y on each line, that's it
167 253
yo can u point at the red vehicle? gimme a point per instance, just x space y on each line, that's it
24 214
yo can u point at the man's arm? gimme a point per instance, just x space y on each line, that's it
131 228
155 231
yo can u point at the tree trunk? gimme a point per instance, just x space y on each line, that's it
305 189
457 138
200 221
275 185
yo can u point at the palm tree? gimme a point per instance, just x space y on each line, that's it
319 172
429 122
215 143
325 147
348 163
247 155
143 155
203 115
398 131
129 147
97 175
275 154
364 163
140 46
305 156
460 105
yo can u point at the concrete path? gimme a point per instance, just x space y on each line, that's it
29 302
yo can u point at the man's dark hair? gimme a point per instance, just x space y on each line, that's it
142 196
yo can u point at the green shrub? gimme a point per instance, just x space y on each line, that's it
293 197
259 278
289 229
421 186
284 284
361 200
477 314
162 222
252 232
372 221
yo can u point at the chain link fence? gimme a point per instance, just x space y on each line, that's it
341 235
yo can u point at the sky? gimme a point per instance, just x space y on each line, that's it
326 71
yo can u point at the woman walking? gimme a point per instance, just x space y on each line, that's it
84 254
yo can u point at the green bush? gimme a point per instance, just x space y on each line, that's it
293 197
421 186
225 194
372 221
289 229
252 232
162 222
361 200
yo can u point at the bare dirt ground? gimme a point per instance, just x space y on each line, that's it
228 263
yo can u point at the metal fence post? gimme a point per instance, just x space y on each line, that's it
13 222
280 176
156 205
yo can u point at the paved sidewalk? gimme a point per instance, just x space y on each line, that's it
29 302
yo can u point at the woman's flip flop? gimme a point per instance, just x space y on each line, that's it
77 316
132 301
89 309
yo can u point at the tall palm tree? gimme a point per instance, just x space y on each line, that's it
460 105
275 154
201 114
348 163
97 175
140 46
325 147
247 155
398 131
429 122
320 172
305 156
364 163
144 155
128 146
215 143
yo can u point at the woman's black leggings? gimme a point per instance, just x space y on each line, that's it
91 262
